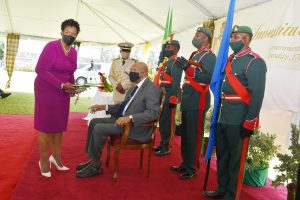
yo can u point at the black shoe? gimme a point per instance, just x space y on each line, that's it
163 152
4 95
187 175
89 171
156 148
213 194
83 165
177 169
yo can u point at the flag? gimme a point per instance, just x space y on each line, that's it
167 36
168 27
216 81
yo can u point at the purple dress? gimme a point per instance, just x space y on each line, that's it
52 105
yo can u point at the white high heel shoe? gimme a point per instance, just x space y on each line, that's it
63 168
46 174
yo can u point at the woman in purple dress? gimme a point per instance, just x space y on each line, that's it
52 88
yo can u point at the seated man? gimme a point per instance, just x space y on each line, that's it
141 105
4 94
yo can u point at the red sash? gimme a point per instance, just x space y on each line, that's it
236 84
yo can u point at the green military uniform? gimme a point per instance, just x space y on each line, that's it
192 123
170 70
234 114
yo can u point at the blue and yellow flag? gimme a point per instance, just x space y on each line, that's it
216 81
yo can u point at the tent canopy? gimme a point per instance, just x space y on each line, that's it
109 21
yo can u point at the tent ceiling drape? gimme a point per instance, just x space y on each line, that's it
109 21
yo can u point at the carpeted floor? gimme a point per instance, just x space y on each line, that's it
132 182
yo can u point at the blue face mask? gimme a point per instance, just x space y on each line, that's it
168 54
236 46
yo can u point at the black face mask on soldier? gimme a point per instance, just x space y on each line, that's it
68 39
134 76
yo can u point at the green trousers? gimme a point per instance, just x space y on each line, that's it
165 126
190 122
229 146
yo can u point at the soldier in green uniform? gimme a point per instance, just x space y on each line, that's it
195 101
242 94
170 79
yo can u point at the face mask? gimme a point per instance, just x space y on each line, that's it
236 46
198 43
68 39
125 55
134 76
168 54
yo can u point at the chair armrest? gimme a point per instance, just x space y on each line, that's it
127 127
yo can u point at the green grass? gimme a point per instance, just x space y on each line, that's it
23 103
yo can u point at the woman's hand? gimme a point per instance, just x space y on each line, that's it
69 87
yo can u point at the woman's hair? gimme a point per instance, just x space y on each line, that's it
70 22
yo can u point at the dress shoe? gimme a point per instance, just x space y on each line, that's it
213 194
163 152
156 148
45 174
177 169
4 95
89 171
53 161
83 165
187 175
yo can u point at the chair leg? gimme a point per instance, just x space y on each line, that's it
108 155
149 160
116 169
141 158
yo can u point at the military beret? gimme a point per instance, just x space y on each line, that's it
241 29
174 42
125 45
205 31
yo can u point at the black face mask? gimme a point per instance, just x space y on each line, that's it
68 39
134 76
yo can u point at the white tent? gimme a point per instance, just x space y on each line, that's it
110 21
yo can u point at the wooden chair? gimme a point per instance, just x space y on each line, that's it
123 142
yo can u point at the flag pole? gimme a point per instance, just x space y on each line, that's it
215 85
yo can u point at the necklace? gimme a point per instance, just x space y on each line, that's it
65 50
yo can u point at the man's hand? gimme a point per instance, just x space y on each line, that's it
182 62
246 132
172 105
96 108
121 121
120 88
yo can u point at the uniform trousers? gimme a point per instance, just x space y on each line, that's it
228 146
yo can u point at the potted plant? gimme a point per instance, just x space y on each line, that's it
262 149
289 165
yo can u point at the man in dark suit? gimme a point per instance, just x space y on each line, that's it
141 105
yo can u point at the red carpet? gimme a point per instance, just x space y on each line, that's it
17 138
132 182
